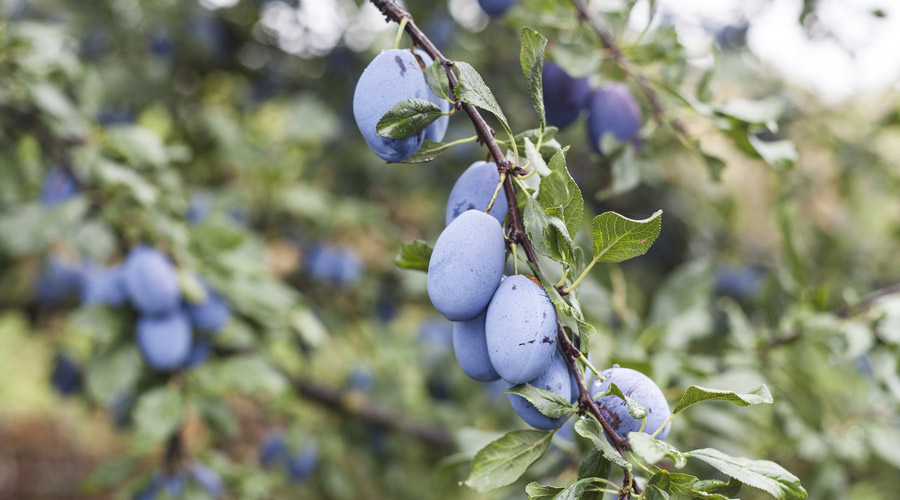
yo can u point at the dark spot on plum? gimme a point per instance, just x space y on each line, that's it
545 314
513 287
402 66
546 340
611 418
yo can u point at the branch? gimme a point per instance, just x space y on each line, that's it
867 301
395 13
628 67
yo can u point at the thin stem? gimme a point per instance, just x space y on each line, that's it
607 481
515 251
663 426
583 359
565 274
496 192
400 33
529 174
640 464
584 273
461 141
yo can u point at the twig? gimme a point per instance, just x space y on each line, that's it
866 301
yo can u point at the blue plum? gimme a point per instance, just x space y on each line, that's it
66 377
151 281
212 314
473 191
393 76
361 378
208 479
58 281
564 96
200 353
466 265
496 8
102 285
612 109
331 264
302 464
272 449
471 350
520 329
742 283
438 128
638 387
555 378
58 186
165 341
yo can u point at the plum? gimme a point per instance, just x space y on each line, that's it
165 341
471 351
473 191
564 96
59 185
272 449
208 479
638 387
58 281
520 329
151 281
331 264
438 128
302 464
612 109
466 265
496 8
555 378
102 285
200 353
212 314
393 76
66 377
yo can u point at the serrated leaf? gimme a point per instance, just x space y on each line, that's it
537 491
716 487
407 118
504 460
436 76
158 414
429 151
531 57
653 492
763 474
414 255
535 158
695 394
589 428
560 194
473 90
547 231
618 238
652 450
547 402
635 409
677 486
594 465
575 491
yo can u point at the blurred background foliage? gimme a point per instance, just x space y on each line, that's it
221 132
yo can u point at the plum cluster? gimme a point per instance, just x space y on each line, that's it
611 108
299 465
182 482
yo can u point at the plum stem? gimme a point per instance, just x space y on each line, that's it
400 32
496 192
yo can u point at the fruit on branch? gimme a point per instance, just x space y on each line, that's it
101 285
496 8
58 281
466 265
151 281
564 96
520 329
211 314
66 377
438 128
393 76
272 449
612 109
555 378
165 341
331 264
470 347
58 186
302 464
208 479
642 390
473 191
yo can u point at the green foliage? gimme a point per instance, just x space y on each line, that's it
504 461
408 118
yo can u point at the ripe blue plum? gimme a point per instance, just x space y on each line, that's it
200 353
66 377
466 265
58 186
302 464
212 314
58 281
742 283
438 128
471 350
165 341
208 479
555 378
496 8
564 96
331 264
612 109
638 387
473 191
151 281
393 76
102 285
272 449
520 329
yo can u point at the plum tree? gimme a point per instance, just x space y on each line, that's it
165 341
612 109
211 314
151 281
642 390
466 265
101 285
393 76
302 465
555 378
58 186
564 96
520 329
470 347
496 8
473 191
66 377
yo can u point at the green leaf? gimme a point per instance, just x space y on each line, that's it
531 57
248 375
547 402
436 76
138 145
779 154
473 90
652 450
407 118
504 460
695 394
414 255
593 465
535 158
618 238
589 428
575 491
158 414
113 374
537 491
560 195
752 112
218 416
654 492
763 474
547 231
626 173
716 487
533 135
634 408
677 486
107 474
429 151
